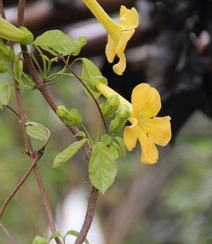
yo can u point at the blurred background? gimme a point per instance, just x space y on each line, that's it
169 202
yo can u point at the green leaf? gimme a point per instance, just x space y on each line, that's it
115 149
106 139
54 235
76 233
5 90
122 145
39 240
37 131
92 74
102 167
57 42
68 152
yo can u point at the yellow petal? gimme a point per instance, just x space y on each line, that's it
149 154
158 130
146 101
110 50
129 17
130 138
121 65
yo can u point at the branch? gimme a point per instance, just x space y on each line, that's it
7 233
89 215
21 182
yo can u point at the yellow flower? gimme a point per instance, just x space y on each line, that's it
118 34
145 127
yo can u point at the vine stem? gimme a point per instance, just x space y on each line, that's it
7 233
21 8
41 86
89 215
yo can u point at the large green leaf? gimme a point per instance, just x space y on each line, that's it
56 40
37 131
68 152
102 167
5 90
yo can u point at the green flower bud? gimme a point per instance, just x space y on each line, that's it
72 117
3 66
122 115
109 108
11 33
6 52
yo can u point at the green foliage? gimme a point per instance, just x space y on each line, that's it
68 152
102 167
37 131
39 240
57 43
75 233
5 91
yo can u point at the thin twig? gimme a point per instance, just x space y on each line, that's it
21 8
89 215
20 183
14 111
7 233
2 12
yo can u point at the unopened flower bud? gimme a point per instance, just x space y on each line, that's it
122 115
72 117
3 66
109 108
6 52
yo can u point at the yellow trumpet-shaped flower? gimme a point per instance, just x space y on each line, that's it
118 34
145 127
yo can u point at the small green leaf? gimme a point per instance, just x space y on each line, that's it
54 235
115 149
5 90
122 145
57 42
39 240
68 152
76 233
37 131
80 134
106 139
102 167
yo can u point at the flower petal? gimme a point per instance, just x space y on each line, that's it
146 101
130 137
110 50
129 17
149 153
159 130
121 65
